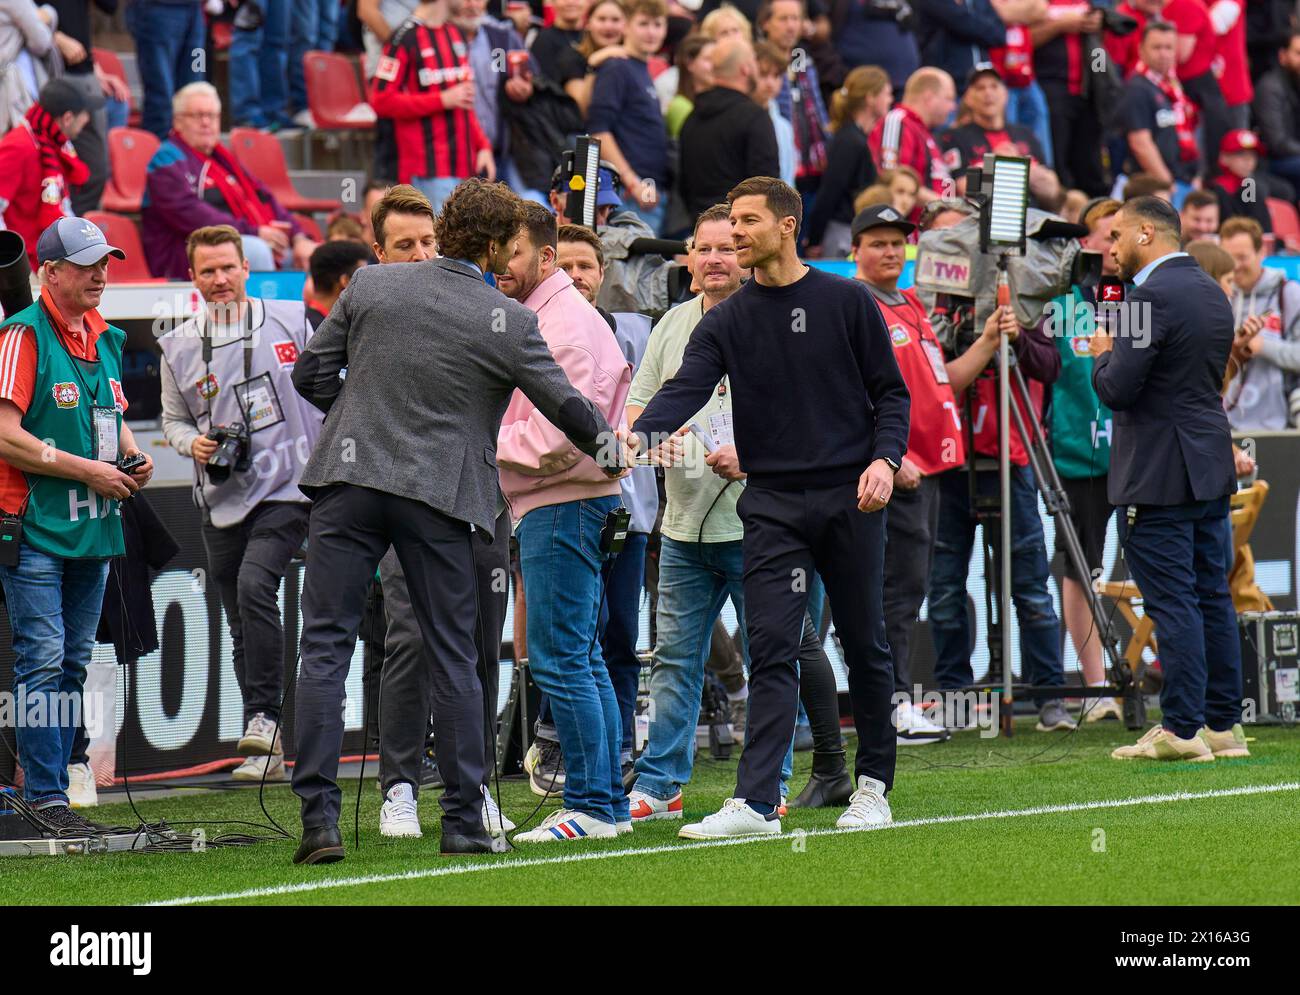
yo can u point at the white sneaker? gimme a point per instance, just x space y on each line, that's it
867 806
735 818
303 119
398 816
1102 708
623 828
81 786
565 825
646 808
494 822
261 738
252 768
914 729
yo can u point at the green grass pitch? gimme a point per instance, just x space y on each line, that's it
1236 839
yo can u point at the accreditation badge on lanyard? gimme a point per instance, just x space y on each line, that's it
105 432
935 355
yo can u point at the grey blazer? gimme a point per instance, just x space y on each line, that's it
432 356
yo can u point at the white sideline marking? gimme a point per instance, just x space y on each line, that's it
438 872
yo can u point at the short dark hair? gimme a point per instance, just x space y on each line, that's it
579 233
540 225
1159 212
781 198
1156 25
477 213
1144 185
331 261
401 199
718 212
765 11
1200 198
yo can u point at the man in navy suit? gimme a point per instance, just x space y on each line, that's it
1171 474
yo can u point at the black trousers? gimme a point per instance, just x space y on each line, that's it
818 691
407 686
788 535
910 530
1205 93
1076 139
351 529
248 561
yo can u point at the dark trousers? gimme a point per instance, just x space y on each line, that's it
248 561
1076 139
620 625
92 148
788 536
1180 557
818 691
910 530
407 682
1205 93
351 530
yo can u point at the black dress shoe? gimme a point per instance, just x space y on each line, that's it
463 844
320 846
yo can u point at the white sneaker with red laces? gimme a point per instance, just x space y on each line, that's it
647 808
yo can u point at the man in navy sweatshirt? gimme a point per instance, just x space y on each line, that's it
820 422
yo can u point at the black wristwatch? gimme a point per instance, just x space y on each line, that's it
892 465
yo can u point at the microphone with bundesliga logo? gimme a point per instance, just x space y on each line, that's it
1110 299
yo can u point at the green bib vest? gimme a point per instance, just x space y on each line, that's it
1080 423
65 518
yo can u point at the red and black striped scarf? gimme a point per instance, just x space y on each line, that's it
61 168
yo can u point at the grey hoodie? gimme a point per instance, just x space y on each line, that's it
1258 398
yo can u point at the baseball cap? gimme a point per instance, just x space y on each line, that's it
879 216
75 240
606 195
58 97
982 69
1240 140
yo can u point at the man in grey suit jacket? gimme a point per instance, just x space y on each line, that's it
407 458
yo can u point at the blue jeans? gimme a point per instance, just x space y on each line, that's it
620 625
168 46
117 113
259 85
1180 557
1027 105
314 28
1040 630
54 607
695 580
559 554
436 188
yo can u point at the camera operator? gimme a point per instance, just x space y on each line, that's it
1040 640
229 403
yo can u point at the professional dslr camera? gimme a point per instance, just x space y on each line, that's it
231 453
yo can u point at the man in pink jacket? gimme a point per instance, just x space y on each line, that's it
560 499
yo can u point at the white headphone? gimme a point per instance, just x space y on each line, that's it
1142 240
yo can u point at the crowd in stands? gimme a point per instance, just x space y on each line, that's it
855 102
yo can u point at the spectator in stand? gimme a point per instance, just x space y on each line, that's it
989 132
39 165
332 266
259 66
1147 185
1194 49
26 34
1199 217
373 194
771 77
904 136
728 137
603 40
624 113
873 33
425 85
855 108
1277 111
1263 395
727 22
193 182
169 36
800 100
1243 192
345 228
1061 65
694 72
1159 119
958 34
380 19
552 45
1230 66
1026 102
314 27
496 83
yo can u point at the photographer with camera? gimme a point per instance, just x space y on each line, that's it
66 461
229 403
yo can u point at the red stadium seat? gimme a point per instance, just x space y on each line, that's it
262 155
108 61
1286 222
129 152
122 232
310 228
334 94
